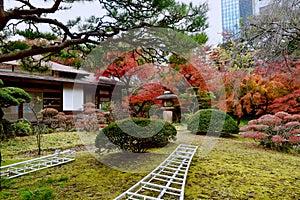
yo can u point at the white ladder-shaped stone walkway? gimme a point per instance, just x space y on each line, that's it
167 181
22 168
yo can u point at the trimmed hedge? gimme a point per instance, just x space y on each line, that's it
212 121
137 134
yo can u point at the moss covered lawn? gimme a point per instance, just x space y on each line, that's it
222 169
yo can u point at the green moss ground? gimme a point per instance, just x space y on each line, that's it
27 147
233 169
237 170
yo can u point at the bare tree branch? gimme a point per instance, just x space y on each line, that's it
275 33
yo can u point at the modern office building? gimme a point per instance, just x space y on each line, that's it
260 5
224 16
232 12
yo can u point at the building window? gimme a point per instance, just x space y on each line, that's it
52 99
73 98
11 113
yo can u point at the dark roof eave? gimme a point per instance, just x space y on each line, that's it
55 79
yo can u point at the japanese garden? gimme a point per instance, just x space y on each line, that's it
132 103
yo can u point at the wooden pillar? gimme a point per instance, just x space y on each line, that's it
20 111
97 97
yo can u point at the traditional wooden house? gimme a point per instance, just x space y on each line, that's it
61 87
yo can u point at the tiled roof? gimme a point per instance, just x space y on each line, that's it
88 79
55 67
44 77
63 68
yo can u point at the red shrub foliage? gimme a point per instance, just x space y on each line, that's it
278 139
256 135
91 119
119 64
276 131
294 139
295 131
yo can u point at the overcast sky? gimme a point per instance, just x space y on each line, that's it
87 9
214 20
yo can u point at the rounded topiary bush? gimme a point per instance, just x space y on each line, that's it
212 121
137 134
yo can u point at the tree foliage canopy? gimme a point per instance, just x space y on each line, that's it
115 17
12 96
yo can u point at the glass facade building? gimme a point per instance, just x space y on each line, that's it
260 5
232 12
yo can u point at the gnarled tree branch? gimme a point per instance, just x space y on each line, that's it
118 17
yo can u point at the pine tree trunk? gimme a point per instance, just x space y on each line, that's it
38 139
0 166
1 113
0 156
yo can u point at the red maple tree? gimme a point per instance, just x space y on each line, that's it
119 64
265 92
268 88
144 97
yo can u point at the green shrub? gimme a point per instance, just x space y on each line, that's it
212 121
137 136
22 128
103 144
